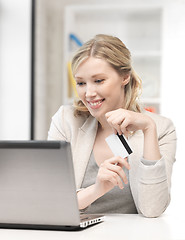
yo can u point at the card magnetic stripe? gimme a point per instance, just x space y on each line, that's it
125 144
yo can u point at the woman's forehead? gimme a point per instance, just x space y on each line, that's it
94 66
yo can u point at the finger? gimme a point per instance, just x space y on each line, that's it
108 114
125 164
115 119
115 124
115 112
116 128
119 161
116 179
115 131
119 171
107 175
120 183
124 125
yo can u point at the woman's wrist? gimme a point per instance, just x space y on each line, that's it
151 146
150 126
87 196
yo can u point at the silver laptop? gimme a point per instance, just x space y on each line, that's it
37 187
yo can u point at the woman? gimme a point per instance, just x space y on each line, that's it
108 90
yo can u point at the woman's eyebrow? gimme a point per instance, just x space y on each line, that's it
93 76
77 77
98 74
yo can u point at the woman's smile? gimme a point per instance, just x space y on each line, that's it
95 104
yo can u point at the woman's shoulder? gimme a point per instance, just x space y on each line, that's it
158 118
66 114
164 124
67 110
65 124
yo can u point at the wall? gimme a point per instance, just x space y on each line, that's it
15 69
172 91
49 56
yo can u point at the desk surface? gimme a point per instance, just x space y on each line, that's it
129 227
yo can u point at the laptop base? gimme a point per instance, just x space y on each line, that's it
43 227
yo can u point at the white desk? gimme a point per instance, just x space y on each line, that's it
129 227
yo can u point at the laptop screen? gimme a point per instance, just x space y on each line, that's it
37 184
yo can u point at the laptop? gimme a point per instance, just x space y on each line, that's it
37 187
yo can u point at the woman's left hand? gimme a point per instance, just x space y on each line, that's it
125 121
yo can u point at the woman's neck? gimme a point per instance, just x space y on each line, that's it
105 128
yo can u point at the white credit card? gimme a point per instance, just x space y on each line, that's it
119 145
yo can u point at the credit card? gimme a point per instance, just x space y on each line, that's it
119 145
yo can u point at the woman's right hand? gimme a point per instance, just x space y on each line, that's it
111 174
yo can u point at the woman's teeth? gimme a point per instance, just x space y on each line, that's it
95 103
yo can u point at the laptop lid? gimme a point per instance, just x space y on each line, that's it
37 185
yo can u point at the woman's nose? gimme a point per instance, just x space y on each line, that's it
90 91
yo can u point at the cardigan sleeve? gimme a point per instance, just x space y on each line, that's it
155 178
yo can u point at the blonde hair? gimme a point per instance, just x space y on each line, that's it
113 51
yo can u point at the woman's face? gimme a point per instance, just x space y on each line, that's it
100 87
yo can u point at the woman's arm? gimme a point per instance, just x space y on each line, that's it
151 145
110 174
154 180
152 191
87 196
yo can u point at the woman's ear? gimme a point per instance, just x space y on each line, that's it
126 79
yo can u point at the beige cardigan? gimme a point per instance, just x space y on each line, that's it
149 183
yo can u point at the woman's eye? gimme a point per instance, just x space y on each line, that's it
99 80
80 83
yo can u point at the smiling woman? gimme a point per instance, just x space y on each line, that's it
108 90
95 80
118 58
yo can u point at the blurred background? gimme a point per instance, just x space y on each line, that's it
38 38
